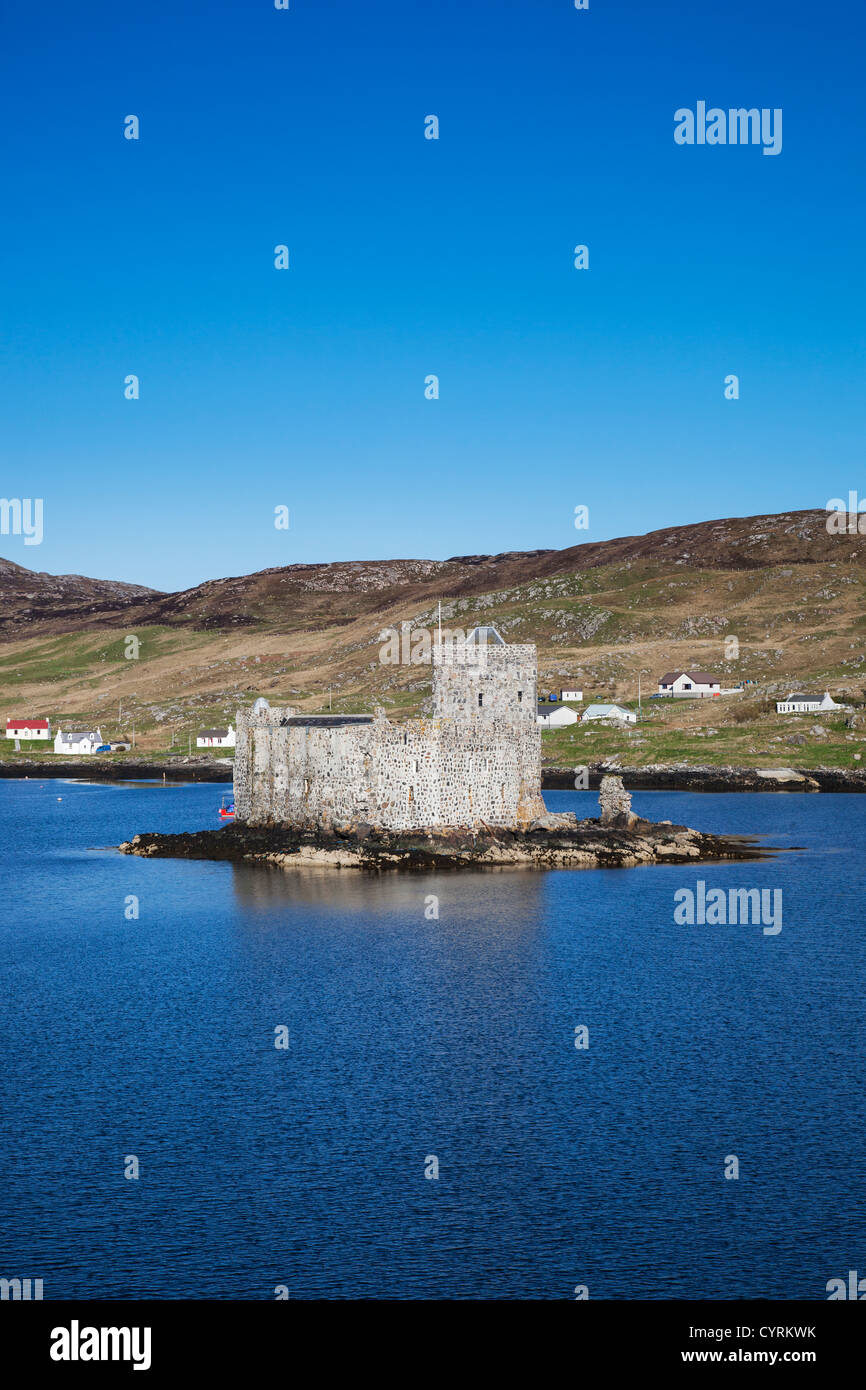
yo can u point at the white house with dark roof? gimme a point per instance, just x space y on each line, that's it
555 716
798 703
77 741
216 738
689 684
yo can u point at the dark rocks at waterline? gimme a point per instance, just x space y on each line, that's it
682 777
95 769
555 841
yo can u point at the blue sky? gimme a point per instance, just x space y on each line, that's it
305 387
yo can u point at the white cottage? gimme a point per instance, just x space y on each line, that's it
797 703
689 684
77 741
626 716
555 716
216 738
571 695
28 728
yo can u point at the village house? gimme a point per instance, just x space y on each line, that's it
555 716
592 712
689 684
797 703
571 695
216 738
78 741
28 728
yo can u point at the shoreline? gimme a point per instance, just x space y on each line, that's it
654 777
705 777
90 770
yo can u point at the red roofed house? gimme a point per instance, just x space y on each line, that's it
28 728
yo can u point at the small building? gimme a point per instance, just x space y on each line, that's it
29 728
121 745
618 712
77 741
798 703
571 695
481 636
689 684
216 738
555 716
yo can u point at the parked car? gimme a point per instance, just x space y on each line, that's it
103 748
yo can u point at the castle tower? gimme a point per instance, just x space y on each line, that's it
486 678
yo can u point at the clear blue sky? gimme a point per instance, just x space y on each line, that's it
410 257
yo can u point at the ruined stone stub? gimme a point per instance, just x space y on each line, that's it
615 802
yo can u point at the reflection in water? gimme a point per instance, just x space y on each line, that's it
414 1035
266 889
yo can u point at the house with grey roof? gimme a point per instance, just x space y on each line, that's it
216 738
76 741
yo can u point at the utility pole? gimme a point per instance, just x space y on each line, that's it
639 674
329 699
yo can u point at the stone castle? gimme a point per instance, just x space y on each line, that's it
476 762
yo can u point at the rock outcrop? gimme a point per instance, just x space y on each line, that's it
615 803
619 839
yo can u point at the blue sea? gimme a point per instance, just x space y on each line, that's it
420 1044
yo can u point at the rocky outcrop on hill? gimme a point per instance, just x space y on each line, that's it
29 596
55 603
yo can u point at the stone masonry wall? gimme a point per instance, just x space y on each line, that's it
472 763
505 677
420 774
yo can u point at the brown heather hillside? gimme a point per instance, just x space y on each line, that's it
600 613
62 601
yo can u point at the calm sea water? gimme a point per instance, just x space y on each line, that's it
412 1037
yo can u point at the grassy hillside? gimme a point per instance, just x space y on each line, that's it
600 616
